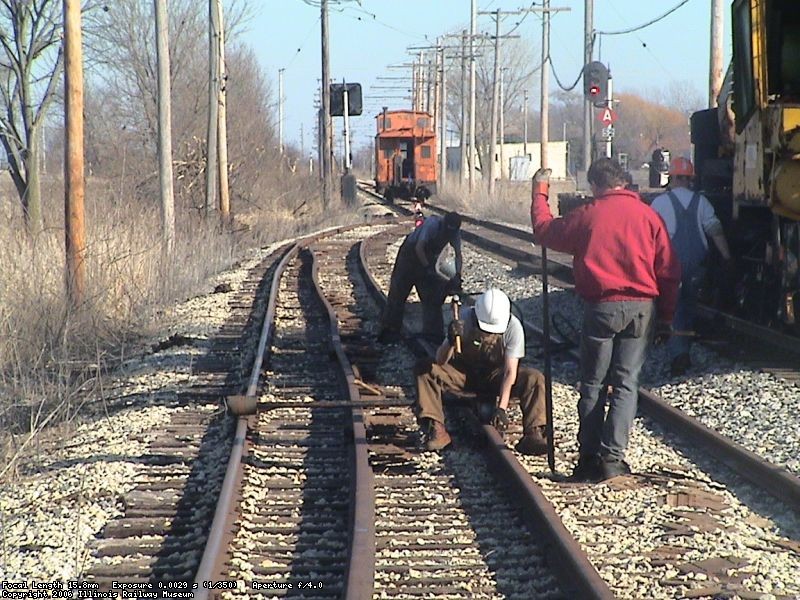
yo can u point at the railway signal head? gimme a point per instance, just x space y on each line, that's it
595 82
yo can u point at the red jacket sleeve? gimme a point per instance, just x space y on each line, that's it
667 269
547 231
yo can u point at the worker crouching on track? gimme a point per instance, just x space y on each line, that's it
492 342
627 274
415 266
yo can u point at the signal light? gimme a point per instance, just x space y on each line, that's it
595 82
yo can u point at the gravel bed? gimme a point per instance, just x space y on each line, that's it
751 527
70 488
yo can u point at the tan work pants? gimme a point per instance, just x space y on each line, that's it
434 379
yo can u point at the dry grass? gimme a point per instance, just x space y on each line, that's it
510 203
52 356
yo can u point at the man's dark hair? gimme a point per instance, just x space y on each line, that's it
452 221
606 174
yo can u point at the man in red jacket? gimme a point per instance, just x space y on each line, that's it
627 273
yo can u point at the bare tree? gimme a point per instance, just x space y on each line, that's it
30 66
122 53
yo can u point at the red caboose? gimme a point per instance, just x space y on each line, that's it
405 154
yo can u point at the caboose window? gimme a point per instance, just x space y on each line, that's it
387 152
425 151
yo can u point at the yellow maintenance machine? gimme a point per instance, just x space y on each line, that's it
747 155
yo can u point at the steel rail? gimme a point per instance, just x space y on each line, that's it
222 524
221 530
573 566
775 480
361 558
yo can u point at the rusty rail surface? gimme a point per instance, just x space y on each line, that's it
221 527
775 480
361 558
221 531
574 568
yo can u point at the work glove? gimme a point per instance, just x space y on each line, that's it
500 419
542 176
454 330
663 332
541 182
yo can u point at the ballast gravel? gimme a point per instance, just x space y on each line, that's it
69 489
630 531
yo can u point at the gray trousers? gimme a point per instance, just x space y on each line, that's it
613 344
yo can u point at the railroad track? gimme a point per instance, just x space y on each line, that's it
697 499
438 526
160 536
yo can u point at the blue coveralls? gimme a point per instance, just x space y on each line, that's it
690 246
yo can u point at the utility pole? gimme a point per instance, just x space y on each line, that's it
164 127
442 119
544 113
610 105
495 92
75 240
502 123
222 119
213 108
280 112
463 133
588 43
525 126
715 65
327 172
473 30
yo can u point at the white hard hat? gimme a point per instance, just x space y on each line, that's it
493 310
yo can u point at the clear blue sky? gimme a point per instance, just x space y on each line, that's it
362 46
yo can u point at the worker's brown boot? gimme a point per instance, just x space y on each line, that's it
438 438
534 443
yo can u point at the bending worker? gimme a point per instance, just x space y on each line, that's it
690 219
415 266
492 341
627 274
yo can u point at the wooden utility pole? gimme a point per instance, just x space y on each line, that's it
525 125
588 43
473 30
73 164
502 135
164 127
495 94
442 119
325 117
544 114
715 75
497 14
222 132
463 133
280 111
213 109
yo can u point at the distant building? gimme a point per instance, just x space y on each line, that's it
516 165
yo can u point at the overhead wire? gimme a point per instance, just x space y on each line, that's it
596 34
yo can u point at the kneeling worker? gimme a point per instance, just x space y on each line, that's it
415 266
492 342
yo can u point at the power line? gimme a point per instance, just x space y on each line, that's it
558 81
643 25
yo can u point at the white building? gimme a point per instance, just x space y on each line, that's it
516 165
